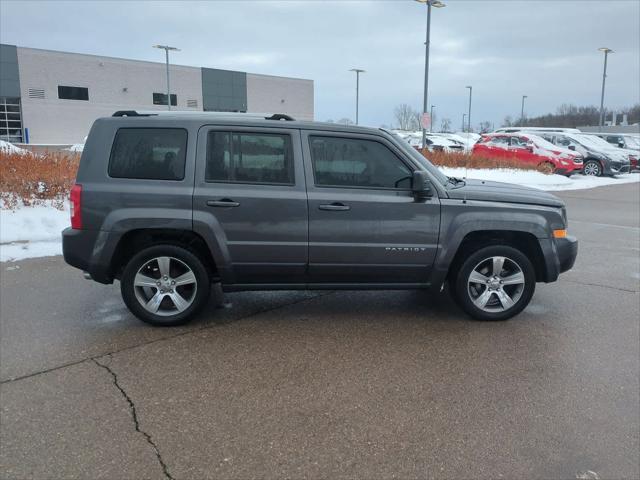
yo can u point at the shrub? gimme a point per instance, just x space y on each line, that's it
470 160
33 179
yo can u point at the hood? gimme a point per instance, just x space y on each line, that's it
504 192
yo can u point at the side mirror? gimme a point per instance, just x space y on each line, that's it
621 144
420 184
529 148
572 147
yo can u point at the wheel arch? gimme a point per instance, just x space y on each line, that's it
526 242
135 240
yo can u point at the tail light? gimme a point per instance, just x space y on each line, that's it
75 201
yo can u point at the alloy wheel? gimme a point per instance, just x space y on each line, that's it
592 168
165 286
496 284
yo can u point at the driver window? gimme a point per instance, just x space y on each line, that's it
351 162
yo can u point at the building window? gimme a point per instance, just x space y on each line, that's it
262 158
73 93
149 153
161 99
10 120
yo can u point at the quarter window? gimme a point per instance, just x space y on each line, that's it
350 162
149 153
263 158
73 93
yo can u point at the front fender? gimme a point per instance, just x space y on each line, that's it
460 218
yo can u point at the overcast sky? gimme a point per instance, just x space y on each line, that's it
546 49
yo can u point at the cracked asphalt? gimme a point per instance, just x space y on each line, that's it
331 384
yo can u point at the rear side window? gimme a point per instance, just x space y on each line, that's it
149 153
263 158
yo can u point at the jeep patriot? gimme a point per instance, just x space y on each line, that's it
169 203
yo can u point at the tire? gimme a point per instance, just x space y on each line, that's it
592 168
516 268
170 301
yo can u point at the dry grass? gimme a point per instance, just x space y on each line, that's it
462 160
34 179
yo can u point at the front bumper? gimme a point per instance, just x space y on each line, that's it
567 249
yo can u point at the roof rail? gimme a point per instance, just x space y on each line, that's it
265 116
130 113
280 116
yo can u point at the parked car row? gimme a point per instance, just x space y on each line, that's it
599 156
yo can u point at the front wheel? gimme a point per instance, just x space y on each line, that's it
495 283
165 285
592 168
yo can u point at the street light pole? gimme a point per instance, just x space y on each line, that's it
463 117
358 72
431 119
425 103
166 49
606 51
469 114
522 111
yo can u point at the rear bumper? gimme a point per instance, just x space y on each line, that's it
85 249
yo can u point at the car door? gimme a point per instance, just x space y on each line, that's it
523 150
250 190
365 226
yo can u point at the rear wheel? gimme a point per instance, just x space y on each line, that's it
495 283
165 285
592 168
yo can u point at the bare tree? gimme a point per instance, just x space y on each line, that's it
407 117
445 125
508 121
485 127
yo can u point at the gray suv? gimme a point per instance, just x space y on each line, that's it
170 203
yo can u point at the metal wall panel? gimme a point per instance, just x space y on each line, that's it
224 90
9 77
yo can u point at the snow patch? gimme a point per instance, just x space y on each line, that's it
29 232
534 179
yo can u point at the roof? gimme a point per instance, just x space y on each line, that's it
235 118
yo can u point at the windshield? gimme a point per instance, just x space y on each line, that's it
601 142
633 142
418 157
592 141
542 143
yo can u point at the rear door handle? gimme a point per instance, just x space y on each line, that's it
335 207
225 202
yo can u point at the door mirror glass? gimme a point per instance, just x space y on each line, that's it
420 185
572 147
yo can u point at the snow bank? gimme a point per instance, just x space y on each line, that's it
7 147
32 231
534 179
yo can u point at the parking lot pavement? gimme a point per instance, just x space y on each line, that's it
331 384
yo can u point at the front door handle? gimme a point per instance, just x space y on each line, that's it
335 207
224 202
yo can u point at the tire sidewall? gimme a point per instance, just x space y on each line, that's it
462 294
137 261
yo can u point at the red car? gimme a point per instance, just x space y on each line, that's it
531 150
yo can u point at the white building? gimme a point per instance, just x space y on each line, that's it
49 97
